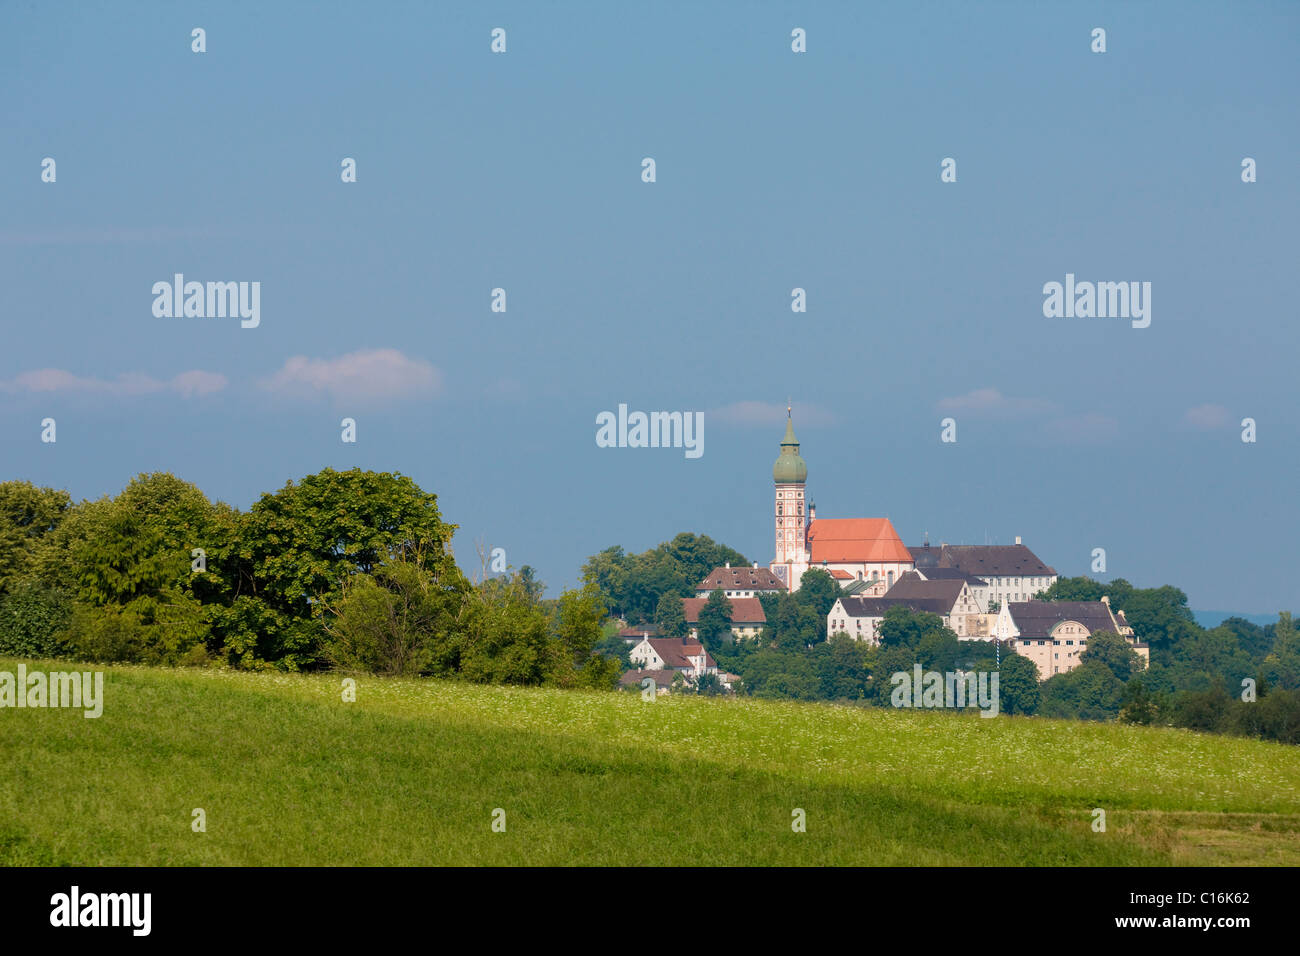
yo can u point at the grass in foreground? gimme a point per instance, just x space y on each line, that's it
289 774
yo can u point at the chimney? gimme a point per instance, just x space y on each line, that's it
1017 539
755 564
729 563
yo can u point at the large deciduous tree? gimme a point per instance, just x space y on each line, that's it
296 548
27 514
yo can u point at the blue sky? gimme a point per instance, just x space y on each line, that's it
774 171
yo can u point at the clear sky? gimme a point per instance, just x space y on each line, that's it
775 170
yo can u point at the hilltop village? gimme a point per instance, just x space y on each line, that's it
981 592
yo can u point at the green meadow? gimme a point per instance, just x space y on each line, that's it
288 773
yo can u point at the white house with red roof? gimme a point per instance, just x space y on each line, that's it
674 654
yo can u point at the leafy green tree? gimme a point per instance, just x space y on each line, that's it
1075 589
1138 705
636 583
791 625
1088 692
890 660
1113 652
774 673
126 563
1159 616
1018 690
27 514
503 638
609 570
843 667
937 650
1205 710
32 616
599 672
1199 661
578 621
714 624
708 685
298 546
617 649
1279 716
671 616
902 627
533 587
1250 637
818 590
114 633
395 621
1282 665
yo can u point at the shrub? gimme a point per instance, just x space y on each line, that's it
32 615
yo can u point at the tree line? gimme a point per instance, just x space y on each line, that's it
346 569
1198 678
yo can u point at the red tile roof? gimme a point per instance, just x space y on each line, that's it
641 630
854 540
741 579
743 610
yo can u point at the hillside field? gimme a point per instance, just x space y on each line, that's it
287 773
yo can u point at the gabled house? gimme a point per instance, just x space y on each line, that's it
684 655
951 597
1054 634
739 582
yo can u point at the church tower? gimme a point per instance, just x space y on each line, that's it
789 475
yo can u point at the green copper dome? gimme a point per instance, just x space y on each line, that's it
789 468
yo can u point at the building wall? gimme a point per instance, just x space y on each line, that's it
645 657
861 628
1013 588
1059 652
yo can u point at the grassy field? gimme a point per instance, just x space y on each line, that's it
287 773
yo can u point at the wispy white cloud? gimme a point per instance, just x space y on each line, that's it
56 380
768 413
370 376
1207 416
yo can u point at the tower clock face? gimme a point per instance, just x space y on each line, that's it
780 572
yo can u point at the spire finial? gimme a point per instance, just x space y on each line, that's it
788 407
